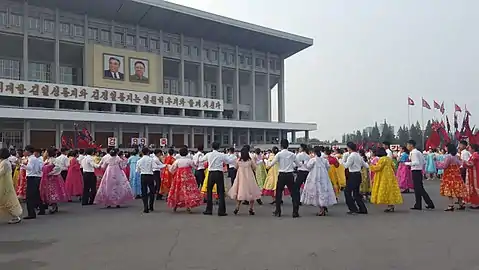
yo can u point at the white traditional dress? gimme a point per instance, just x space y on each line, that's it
318 190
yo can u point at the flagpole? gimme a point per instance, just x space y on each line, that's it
422 122
408 118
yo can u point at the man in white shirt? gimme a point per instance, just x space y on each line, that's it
199 166
354 164
465 155
417 166
232 167
157 166
286 162
81 156
89 177
13 160
303 158
215 161
34 175
145 167
387 146
63 163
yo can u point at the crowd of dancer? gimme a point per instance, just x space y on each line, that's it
46 178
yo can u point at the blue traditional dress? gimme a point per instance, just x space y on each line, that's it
135 181
440 158
430 163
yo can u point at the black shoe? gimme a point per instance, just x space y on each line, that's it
295 215
236 211
351 213
158 197
273 202
245 202
30 217
363 212
277 213
222 214
151 208
41 213
259 201
146 211
431 207
415 208
207 213
251 212
450 208
300 204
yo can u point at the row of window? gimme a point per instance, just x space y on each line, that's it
171 87
39 72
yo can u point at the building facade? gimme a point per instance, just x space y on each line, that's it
139 69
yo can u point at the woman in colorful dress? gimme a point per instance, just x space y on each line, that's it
97 157
16 172
452 185
385 185
333 172
184 192
244 187
365 187
403 173
52 185
9 204
134 176
269 187
472 181
373 161
166 175
74 181
341 170
114 187
318 190
440 158
260 172
22 178
430 164
205 186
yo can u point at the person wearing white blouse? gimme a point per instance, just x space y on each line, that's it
354 163
145 167
89 179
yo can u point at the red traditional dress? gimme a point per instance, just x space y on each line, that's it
452 184
74 181
166 176
472 181
184 192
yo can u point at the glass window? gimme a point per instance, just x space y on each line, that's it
9 69
49 26
249 61
193 89
214 93
68 75
143 42
78 30
231 58
16 20
93 33
186 87
39 72
166 46
241 59
34 23
186 50
153 44
277 65
65 28
271 64
225 57
214 55
105 36
166 86
229 94
130 40
174 87
257 62
3 18
119 38
195 51
206 54
176 48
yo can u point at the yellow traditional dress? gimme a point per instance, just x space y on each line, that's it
385 186
204 187
16 175
365 187
9 204
341 173
271 181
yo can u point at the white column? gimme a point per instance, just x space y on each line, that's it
182 71
265 141
119 135
230 137
248 136
212 134
170 136
26 133
219 79
201 76
253 86
113 107
58 135
280 135
138 109
281 103
57 45
306 136
236 114
268 87
192 138
25 44
185 138
86 106
293 136
92 130
146 135
205 137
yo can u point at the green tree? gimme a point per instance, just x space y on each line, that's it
359 136
428 130
386 133
403 135
375 134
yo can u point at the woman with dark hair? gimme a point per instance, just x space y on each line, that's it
365 187
9 203
244 187
318 190
269 187
52 186
440 157
333 171
166 176
74 181
134 176
385 186
114 188
338 154
184 192
472 181
452 185
260 172
403 173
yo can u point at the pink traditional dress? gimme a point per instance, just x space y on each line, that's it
52 186
184 192
114 188
245 187
74 181
403 174
22 180
374 161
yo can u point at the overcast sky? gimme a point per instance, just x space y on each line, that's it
368 56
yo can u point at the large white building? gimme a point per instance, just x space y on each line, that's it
139 69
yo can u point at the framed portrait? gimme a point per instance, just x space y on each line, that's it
113 67
139 70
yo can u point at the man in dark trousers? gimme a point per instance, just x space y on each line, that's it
417 166
215 161
354 164
34 175
286 162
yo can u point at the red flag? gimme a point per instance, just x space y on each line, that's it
436 105
410 102
442 109
425 104
457 108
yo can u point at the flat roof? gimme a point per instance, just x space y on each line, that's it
174 18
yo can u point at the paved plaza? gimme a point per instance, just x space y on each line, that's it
94 238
